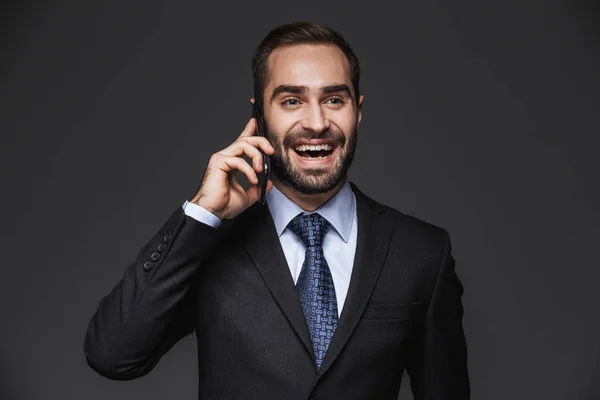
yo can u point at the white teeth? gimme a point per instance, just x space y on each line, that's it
318 147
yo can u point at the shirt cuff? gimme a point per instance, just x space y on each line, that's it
200 214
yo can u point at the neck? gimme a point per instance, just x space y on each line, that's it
308 202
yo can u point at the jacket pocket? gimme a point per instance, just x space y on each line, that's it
397 311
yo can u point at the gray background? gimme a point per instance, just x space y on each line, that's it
481 117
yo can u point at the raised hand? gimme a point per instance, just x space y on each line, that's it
220 192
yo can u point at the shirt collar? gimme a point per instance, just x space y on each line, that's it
339 210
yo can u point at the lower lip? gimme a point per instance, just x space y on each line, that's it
315 162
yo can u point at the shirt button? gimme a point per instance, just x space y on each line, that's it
155 256
161 247
147 265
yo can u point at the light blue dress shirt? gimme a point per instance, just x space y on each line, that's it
339 244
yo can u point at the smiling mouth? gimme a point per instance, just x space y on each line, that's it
314 152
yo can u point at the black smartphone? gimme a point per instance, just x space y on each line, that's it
265 175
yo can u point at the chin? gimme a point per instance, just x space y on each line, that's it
311 184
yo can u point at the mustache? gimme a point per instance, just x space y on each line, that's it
329 135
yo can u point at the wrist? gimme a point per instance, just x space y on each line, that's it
200 201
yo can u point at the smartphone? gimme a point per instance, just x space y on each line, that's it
265 175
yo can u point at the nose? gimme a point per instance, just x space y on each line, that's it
314 119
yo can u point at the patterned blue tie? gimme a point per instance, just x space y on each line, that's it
315 284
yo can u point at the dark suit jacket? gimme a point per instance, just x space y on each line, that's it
232 286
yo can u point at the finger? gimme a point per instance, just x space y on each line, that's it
256 141
230 164
244 147
249 129
250 146
263 143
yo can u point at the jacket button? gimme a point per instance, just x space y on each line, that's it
155 256
161 247
147 265
167 237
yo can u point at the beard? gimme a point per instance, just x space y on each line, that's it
314 180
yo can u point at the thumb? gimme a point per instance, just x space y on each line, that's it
253 192
269 185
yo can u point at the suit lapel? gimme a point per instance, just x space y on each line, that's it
373 239
265 251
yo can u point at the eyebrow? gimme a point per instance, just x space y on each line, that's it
292 89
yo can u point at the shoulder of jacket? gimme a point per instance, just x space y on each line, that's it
407 221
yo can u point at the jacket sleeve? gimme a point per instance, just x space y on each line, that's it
438 362
152 307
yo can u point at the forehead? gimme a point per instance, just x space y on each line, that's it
311 65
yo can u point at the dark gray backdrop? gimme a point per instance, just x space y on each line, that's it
481 117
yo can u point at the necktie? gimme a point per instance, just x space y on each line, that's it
315 285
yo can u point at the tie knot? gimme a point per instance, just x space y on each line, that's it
309 228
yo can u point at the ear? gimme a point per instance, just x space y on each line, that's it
252 100
360 102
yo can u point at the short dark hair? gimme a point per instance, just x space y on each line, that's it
299 33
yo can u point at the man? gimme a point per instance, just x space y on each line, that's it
321 294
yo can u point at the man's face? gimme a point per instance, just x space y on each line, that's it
311 116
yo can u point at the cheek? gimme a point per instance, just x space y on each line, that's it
284 122
279 127
346 123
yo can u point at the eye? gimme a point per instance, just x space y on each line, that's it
290 102
335 100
